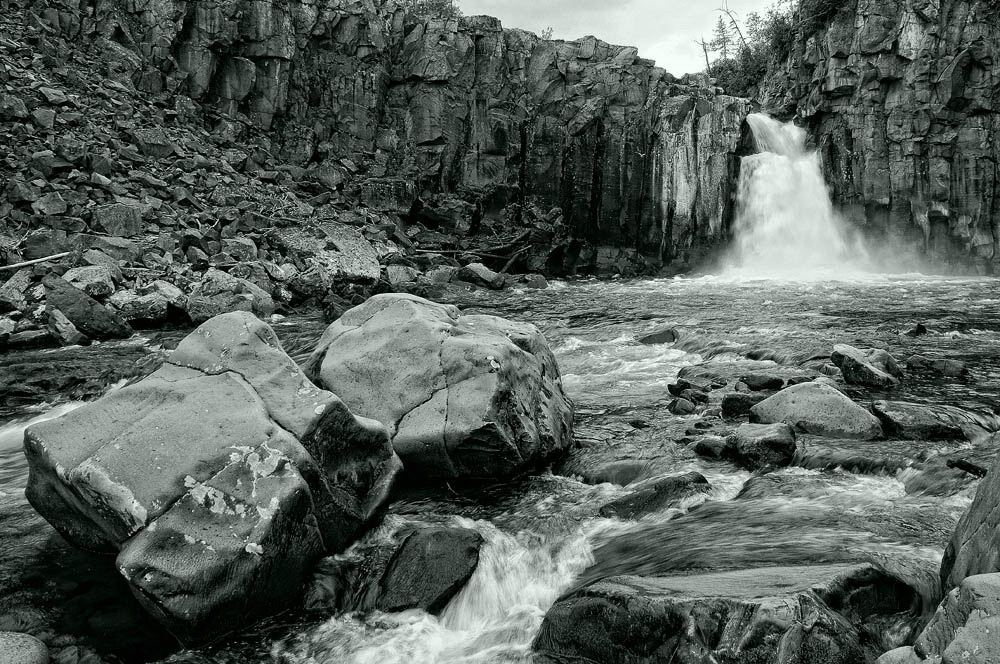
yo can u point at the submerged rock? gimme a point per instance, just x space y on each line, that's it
219 479
658 495
463 396
818 409
808 615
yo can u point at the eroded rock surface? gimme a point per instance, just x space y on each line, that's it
462 395
219 479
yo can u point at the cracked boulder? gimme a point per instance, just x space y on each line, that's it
218 480
463 396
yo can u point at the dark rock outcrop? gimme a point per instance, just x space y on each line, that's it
812 615
462 395
429 569
219 479
974 549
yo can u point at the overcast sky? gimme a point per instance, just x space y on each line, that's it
664 30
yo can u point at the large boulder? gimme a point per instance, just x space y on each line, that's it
975 546
219 479
88 315
336 252
807 615
874 368
463 396
965 628
818 409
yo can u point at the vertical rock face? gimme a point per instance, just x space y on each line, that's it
902 98
633 157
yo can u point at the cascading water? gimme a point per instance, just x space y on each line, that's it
786 225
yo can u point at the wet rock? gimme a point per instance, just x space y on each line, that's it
738 404
89 316
26 339
905 420
939 365
762 382
480 275
682 406
762 445
713 447
464 396
965 628
656 496
664 336
973 548
94 280
219 479
531 282
862 368
429 569
818 409
812 615
16 648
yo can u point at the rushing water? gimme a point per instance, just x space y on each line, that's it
786 224
895 502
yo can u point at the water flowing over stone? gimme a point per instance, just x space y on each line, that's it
785 223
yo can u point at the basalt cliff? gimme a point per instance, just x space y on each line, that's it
606 162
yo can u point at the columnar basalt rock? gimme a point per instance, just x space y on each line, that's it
902 99
632 156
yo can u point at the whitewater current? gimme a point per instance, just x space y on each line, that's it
544 534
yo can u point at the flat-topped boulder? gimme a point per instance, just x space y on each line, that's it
219 479
462 395
818 409
806 614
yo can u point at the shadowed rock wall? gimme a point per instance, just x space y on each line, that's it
902 97
632 156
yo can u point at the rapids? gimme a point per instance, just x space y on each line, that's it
884 501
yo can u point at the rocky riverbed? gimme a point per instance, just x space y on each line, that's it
668 500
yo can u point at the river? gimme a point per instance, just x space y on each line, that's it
895 502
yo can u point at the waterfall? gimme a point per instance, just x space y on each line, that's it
786 225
